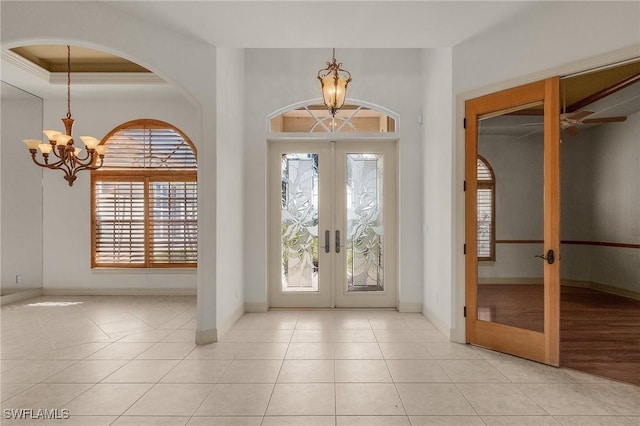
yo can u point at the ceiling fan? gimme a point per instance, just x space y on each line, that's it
570 121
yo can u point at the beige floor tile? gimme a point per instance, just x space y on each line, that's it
299 421
262 351
307 371
565 399
89 371
251 371
311 350
81 421
225 421
302 399
349 371
121 351
521 371
312 336
150 421
181 336
167 351
594 421
216 351
622 397
404 350
409 370
151 336
395 336
471 370
450 350
431 336
33 371
447 421
433 399
520 421
141 371
107 399
71 352
9 390
351 323
170 400
635 420
377 399
357 351
48 395
373 421
419 324
388 324
353 336
257 336
196 371
236 400
504 399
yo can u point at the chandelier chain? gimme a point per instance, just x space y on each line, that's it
68 81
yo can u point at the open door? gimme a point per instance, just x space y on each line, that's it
512 221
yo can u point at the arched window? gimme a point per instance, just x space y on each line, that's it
144 200
486 211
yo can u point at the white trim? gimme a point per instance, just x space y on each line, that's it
231 320
409 307
255 307
25 65
441 326
204 337
19 296
71 291
458 299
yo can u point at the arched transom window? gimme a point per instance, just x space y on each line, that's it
144 199
314 117
486 211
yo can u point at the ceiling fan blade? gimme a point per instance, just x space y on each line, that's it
572 131
578 115
619 119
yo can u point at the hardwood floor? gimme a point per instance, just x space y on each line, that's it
599 332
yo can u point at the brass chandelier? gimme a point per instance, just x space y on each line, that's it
334 81
67 156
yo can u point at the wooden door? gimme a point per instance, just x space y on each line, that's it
512 235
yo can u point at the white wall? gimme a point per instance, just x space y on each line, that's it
437 189
601 171
230 172
21 196
66 220
387 77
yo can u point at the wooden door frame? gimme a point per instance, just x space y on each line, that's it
542 347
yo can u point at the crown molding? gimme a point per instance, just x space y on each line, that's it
80 78
25 65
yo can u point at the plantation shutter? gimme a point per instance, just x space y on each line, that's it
119 223
485 209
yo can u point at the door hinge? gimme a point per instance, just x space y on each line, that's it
464 186
464 249
464 122
464 312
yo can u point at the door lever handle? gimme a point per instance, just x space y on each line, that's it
337 241
327 247
550 257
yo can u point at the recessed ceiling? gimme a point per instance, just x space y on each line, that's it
53 58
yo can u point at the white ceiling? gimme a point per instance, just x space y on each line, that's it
355 24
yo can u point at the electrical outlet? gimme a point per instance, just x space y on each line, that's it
19 279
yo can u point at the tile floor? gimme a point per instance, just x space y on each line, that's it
133 361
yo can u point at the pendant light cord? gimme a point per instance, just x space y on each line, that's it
68 81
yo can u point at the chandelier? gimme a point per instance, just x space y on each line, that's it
334 81
67 157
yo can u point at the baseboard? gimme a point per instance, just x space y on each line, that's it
409 307
254 307
71 291
226 326
204 337
603 288
20 295
444 328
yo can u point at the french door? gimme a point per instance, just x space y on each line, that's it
512 221
332 223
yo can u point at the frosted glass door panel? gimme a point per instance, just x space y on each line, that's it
365 222
299 222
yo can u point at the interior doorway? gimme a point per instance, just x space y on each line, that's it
333 223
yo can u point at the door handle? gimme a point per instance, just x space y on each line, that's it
337 241
327 247
550 257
